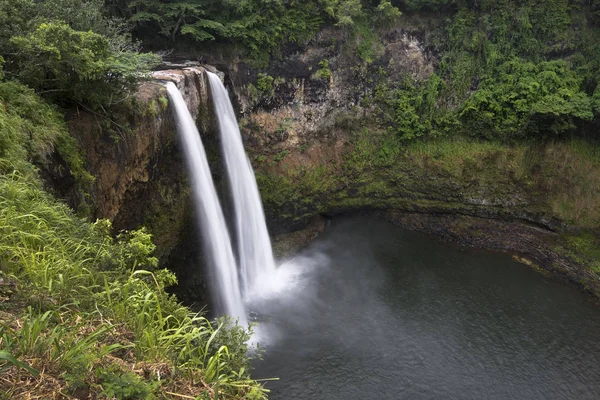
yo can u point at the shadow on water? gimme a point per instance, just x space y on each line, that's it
370 311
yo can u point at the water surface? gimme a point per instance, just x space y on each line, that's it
371 311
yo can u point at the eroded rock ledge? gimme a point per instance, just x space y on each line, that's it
536 247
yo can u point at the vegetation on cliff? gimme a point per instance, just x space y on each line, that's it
503 125
506 70
509 77
257 27
70 51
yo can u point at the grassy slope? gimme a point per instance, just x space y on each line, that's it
84 314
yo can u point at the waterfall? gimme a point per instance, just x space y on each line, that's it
255 253
217 243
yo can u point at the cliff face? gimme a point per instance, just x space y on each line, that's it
303 121
140 176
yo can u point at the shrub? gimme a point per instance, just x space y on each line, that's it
324 72
524 99
62 63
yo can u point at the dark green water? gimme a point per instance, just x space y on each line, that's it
374 312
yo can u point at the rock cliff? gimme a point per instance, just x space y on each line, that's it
307 122
140 177
304 122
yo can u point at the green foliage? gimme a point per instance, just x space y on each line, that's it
19 17
584 248
412 110
407 122
31 129
264 83
55 59
81 15
257 26
362 23
68 149
15 16
507 70
262 26
124 385
345 12
596 100
280 156
39 125
177 18
164 102
386 14
135 249
324 72
525 99
70 51
368 44
264 89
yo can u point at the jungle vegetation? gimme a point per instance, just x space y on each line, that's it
83 311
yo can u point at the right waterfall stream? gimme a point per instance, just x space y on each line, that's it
257 265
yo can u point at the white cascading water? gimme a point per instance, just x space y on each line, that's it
211 221
255 252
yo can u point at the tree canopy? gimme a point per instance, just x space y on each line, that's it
70 51
495 58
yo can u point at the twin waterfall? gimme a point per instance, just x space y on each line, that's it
254 246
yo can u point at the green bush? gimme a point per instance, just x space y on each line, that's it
412 111
62 63
119 384
324 72
523 99
31 129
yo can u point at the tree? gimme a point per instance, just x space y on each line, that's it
177 18
345 12
524 99
15 16
78 66
386 13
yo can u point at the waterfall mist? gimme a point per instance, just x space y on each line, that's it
216 240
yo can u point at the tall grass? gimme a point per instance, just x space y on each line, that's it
89 312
